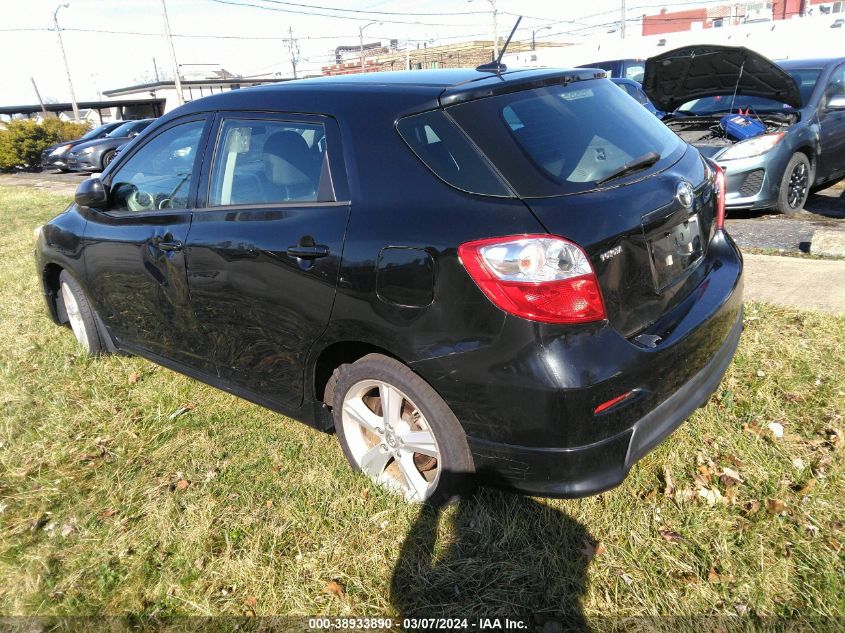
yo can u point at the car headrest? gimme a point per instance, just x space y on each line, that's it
287 159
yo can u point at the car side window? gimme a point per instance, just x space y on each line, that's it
159 174
269 161
448 153
836 85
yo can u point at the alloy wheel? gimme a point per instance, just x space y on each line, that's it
798 181
390 439
75 316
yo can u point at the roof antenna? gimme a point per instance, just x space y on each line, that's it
497 66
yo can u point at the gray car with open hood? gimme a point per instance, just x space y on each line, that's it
776 129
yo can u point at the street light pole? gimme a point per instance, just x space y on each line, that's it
178 81
361 40
533 33
64 58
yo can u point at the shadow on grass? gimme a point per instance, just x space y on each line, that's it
494 554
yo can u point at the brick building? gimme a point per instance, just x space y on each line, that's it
733 13
462 55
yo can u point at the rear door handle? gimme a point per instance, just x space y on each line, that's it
164 245
308 252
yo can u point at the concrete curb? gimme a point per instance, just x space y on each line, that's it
830 242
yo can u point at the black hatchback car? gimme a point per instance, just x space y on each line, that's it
519 274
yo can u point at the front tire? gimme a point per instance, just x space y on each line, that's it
795 184
108 157
397 430
80 315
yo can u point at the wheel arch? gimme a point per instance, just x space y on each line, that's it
333 356
810 153
50 281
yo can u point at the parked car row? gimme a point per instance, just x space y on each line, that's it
55 156
95 150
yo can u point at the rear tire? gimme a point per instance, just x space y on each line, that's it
80 315
795 184
381 443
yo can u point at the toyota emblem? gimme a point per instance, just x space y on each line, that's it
684 194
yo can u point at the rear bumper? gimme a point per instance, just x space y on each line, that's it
527 399
591 469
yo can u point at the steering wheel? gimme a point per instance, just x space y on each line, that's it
140 200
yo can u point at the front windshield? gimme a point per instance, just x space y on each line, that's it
805 79
124 130
96 132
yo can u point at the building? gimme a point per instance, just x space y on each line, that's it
733 14
165 91
462 55
94 112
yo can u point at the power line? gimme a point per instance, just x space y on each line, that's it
184 35
365 11
331 15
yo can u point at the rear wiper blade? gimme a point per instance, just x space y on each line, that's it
646 160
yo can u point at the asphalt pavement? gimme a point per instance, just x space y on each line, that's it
790 233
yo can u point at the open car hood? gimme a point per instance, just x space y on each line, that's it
693 72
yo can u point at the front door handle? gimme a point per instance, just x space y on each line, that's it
308 252
166 245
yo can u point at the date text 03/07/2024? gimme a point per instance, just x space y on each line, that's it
415 624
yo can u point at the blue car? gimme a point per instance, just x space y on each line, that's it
634 89
776 129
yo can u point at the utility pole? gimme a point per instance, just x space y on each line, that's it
38 94
622 23
408 55
172 54
64 58
495 28
155 69
294 49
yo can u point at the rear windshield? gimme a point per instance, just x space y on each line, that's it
564 139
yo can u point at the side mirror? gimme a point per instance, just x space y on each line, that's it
92 193
836 102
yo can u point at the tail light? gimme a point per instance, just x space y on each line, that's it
721 192
536 277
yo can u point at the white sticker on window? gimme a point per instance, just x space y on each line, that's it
574 95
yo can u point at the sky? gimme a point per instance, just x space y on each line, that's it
112 43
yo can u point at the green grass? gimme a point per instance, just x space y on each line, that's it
94 520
